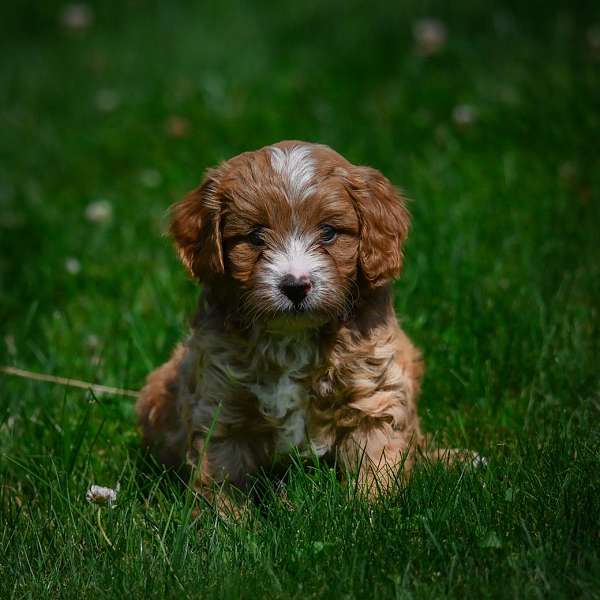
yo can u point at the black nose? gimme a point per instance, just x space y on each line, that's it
295 288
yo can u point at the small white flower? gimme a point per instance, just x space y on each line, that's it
72 265
430 36
92 341
464 115
150 178
103 496
99 211
77 17
106 100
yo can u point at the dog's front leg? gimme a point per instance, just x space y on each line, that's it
222 468
378 456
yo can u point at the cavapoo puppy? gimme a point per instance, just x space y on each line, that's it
295 344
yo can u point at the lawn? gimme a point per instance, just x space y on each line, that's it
109 115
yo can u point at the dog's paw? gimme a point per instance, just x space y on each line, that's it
450 456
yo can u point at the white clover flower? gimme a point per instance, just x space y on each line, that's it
72 265
103 496
92 341
99 211
464 115
77 17
430 36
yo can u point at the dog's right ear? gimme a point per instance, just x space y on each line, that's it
196 229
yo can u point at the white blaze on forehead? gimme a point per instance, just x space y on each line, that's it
297 168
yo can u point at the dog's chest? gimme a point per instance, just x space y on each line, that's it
283 369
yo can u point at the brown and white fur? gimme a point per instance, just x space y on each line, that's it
295 344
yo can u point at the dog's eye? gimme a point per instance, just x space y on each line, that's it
328 234
256 236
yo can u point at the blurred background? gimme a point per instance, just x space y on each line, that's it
485 113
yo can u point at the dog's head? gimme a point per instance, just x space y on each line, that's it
299 229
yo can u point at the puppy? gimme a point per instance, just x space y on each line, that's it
295 344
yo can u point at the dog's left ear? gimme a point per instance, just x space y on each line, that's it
196 229
384 223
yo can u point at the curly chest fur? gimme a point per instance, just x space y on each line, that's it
283 371
283 392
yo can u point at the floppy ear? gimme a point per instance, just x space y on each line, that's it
384 223
196 229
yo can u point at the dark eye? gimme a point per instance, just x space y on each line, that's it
256 236
328 234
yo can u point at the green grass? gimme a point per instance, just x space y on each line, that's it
501 290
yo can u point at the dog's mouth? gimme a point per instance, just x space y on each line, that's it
298 310
303 308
